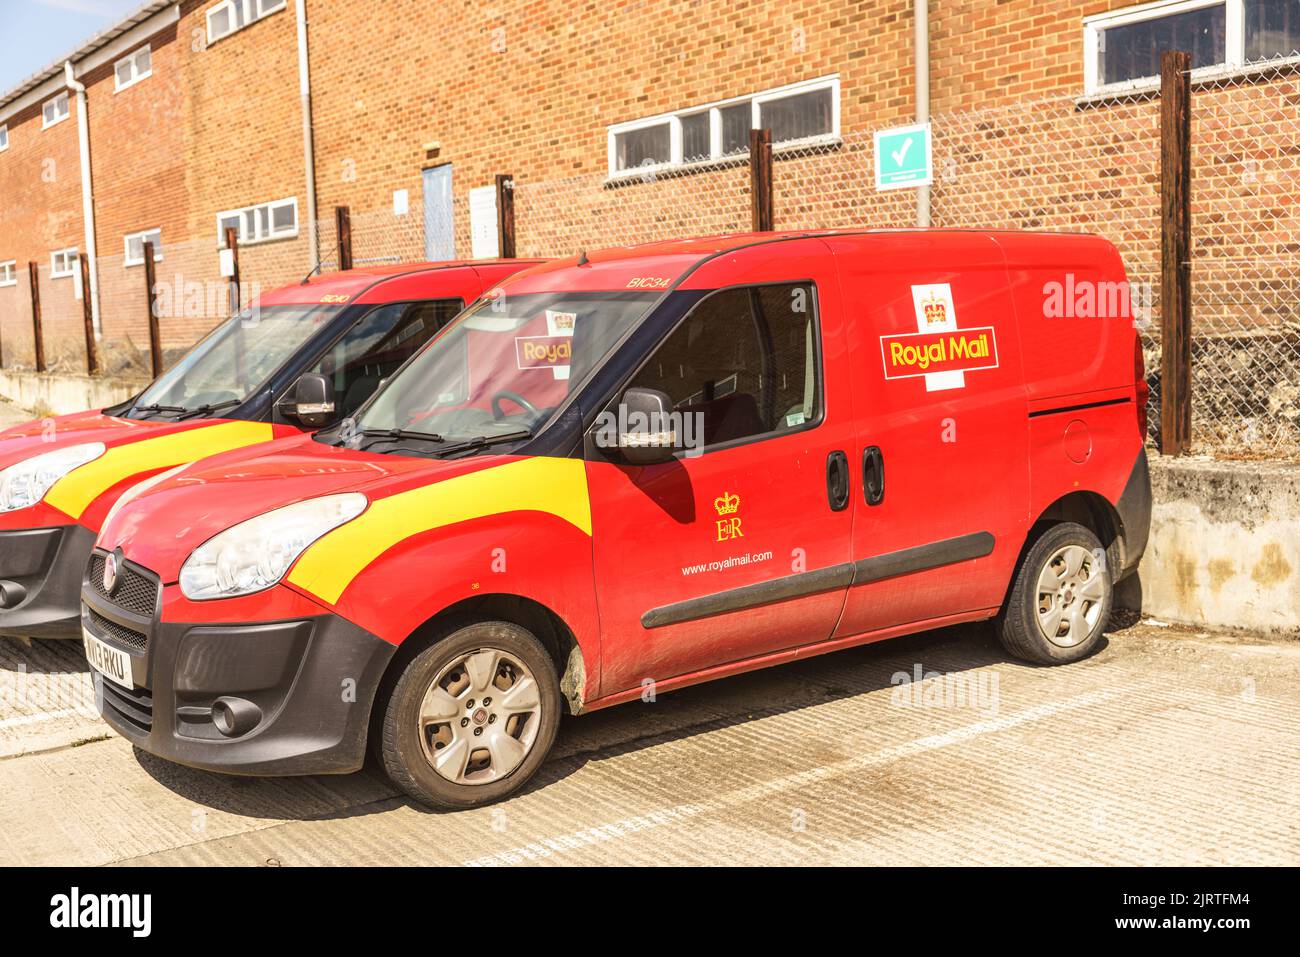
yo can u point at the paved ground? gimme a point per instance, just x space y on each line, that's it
11 414
1166 747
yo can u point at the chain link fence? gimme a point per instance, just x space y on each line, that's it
1059 163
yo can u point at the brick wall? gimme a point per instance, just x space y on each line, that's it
529 86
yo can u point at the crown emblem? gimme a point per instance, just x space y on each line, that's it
936 312
727 503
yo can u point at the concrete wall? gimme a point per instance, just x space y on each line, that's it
1225 545
64 394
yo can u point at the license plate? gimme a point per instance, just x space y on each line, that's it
113 664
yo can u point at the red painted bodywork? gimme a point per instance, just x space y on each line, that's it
990 456
466 280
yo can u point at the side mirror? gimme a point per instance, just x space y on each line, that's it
311 401
646 433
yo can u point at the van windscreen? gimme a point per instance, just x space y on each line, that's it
505 365
234 360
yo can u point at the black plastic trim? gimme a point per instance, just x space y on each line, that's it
1134 508
903 562
1080 407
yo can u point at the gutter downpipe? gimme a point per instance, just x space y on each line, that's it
921 45
308 141
87 193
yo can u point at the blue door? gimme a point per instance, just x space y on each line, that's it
439 221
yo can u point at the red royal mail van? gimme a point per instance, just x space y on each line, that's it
648 466
299 358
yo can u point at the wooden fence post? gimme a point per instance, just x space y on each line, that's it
151 297
1175 253
232 243
343 230
38 337
88 317
760 179
505 215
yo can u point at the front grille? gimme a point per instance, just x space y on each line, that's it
135 707
135 592
120 633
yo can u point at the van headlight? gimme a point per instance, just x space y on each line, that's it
255 554
27 482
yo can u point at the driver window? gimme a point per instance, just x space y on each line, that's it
381 341
744 361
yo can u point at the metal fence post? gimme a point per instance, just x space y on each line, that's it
88 317
38 337
1175 252
505 215
151 297
343 231
760 179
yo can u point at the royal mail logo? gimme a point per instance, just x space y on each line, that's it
543 352
935 311
728 524
928 353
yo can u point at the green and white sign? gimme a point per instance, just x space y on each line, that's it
903 157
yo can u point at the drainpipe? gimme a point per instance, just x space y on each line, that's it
921 45
87 192
308 144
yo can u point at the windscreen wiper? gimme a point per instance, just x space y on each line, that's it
207 409
155 407
396 435
482 441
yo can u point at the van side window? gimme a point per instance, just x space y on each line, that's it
380 342
745 360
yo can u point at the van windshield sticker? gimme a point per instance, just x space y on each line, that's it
545 352
560 323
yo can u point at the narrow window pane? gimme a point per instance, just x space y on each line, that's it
695 137
124 73
643 147
219 22
143 61
798 117
1132 51
736 123
135 249
1272 29
282 218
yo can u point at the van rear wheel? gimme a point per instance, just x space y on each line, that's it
472 717
1061 599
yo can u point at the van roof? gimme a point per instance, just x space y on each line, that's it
660 264
353 282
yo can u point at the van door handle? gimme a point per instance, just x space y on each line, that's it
837 480
873 475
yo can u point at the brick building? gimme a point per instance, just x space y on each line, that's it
619 122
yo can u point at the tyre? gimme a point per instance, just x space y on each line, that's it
472 717
1060 600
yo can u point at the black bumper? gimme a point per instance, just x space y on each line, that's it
1134 508
304 687
44 566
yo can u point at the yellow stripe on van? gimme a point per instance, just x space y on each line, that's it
555 486
73 493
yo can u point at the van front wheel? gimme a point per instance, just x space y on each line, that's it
472 717
1061 599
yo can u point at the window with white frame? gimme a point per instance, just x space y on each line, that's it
63 263
4 138
9 273
130 70
55 111
258 224
134 242
800 114
1122 48
231 15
